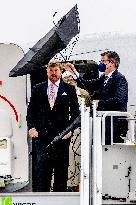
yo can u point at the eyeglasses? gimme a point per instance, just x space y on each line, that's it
103 61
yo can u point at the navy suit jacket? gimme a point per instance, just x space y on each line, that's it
113 96
47 122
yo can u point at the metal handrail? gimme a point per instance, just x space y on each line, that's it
85 155
112 114
96 159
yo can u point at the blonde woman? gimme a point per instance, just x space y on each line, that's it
75 148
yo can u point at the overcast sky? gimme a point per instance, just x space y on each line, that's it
26 21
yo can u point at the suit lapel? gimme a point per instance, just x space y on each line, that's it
45 96
61 90
110 80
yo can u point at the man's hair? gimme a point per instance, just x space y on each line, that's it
55 63
113 57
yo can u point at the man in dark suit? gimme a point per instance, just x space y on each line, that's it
53 107
110 91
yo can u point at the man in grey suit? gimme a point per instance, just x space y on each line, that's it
52 108
110 91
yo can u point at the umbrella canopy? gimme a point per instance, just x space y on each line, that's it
52 43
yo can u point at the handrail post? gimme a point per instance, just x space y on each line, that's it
85 155
97 159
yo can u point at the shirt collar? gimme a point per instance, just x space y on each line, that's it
56 83
110 74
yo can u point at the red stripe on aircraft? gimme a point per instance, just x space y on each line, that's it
11 105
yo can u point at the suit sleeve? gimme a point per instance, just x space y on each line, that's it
74 106
32 109
89 85
120 96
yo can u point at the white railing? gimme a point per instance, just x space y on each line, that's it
85 155
92 139
91 158
131 124
97 159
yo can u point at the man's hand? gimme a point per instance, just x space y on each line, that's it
67 136
70 67
96 102
33 133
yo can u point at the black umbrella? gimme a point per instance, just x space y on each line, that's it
76 123
52 43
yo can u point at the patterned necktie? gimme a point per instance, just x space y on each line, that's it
52 95
105 80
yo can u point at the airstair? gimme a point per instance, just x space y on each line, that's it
108 172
